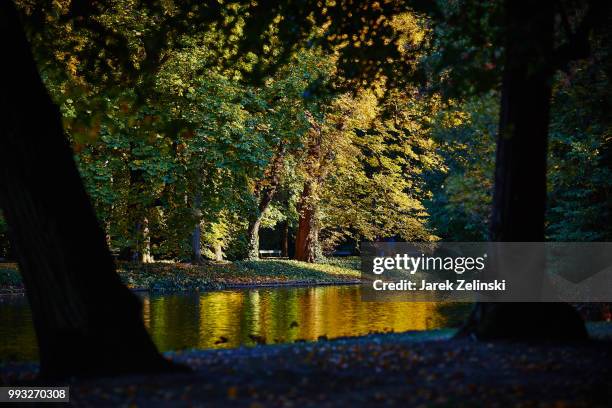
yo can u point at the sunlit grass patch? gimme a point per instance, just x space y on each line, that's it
218 275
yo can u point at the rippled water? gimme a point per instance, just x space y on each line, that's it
230 318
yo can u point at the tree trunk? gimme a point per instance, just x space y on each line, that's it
316 166
307 240
196 246
253 237
285 240
218 252
196 236
146 242
255 224
519 201
141 247
87 322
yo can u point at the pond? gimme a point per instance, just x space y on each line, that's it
231 318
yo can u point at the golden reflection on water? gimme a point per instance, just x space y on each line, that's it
231 318
225 319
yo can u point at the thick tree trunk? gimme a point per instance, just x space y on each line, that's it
307 239
519 201
86 321
218 252
316 165
253 237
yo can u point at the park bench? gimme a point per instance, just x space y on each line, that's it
269 253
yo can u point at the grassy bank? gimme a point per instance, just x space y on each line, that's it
164 276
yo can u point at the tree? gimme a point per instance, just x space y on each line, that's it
519 201
68 272
377 187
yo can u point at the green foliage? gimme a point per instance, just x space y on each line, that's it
580 197
9 277
377 186
460 205
178 114
464 56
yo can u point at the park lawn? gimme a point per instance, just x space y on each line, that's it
174 276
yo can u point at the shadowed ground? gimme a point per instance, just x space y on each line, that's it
376 370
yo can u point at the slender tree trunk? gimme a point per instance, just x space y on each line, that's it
196 246
519 202
146 242
255 224
285 240
307 241
87 322
196 236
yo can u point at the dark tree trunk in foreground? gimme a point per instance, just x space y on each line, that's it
87 322
307 239
519 201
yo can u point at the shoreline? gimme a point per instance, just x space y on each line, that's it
280 284
163 277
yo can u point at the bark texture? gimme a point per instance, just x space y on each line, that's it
317 164
307 239
87 322
147 257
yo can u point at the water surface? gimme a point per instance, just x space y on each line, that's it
230 318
